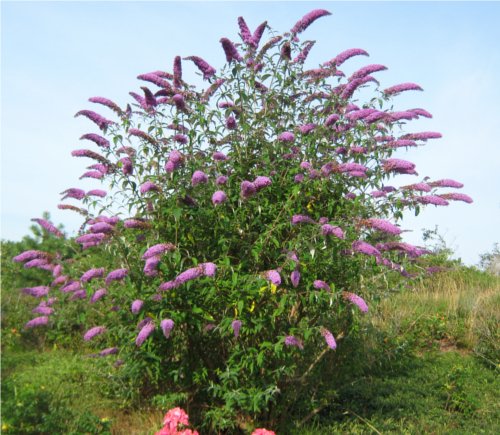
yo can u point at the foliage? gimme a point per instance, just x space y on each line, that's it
244 228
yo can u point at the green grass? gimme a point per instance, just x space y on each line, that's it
426 362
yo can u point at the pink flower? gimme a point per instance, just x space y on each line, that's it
364 248
356 300
236 325
291 340
157 250
321 285
273 276
219 197
167 325
329 338
199 177
92 332
331 230
230 50
286 136
383 225
308 19
261 431
295 278
136 306
37 321
401 88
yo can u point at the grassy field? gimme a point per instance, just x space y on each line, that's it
428 363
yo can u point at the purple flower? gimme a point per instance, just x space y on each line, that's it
98 295
97 175
401 143
37 292
301 219
383 225
331 230
307 128
365 248
136 223
167 325
59 280
299 178
108 103
116 275
30 255
219 197
295 278
179 102
101 122
169 285
73 193
347 54
46 225
421 112
155 79
321 285
431 199
91 238
248 189
136 306
352 167
203 66
422 135
101 227
219 156
108 351
97 192
209 269
42 309
356 300
199 177
144 333
221 180
457 197
37 262
398 165
273 276
332 119
359 114
236 325
127 166
307 20
286 136
261 182
180 138
71 287
401 88
92 332
257 34
143 322
446 183
188 275
151 266
147 187
177 72
157 250
37 321
302 56
291 340
230 50
98 140
366 70
142 135
329 338
245 31
231 122
92 273
78 294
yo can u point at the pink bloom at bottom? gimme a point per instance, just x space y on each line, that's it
262 431
172 419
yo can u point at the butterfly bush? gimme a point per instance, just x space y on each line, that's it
250 211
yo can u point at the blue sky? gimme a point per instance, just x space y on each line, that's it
55 55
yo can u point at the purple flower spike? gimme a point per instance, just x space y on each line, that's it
231 123
189 275
365 248
97 192
203 66
98 140
198 178
347 54
295 278
398 165
151 266
116 275
179 102
136 306
383 225
457 197
37 321
431 199
307 20
177 72
98 295
356 300
219 197
73 193
92 273
37 292
245 33
329 338
261 182
167 325
230 50
43 309
221 180
401 88
301 219
46 225
273 276
148 186
286 136
219 156
307 128
236 325
291 340
209 269
157 250
446 183
93 332
321 285
101 122
169 285
144 333
30 255
248 189
108 351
